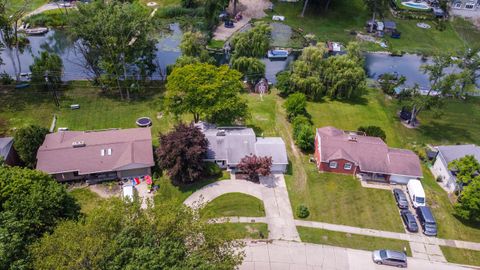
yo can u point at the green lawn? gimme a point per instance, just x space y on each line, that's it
30 5
355 241
458 123
340 199
461 256
262 114
87 199
246 230
97 111
344 16
234 204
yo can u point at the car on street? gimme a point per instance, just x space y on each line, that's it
401 198
409 220
427 221
389 257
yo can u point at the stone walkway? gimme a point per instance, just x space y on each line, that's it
272 190
294 255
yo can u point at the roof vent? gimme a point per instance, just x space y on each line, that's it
352 138
78 144
221 132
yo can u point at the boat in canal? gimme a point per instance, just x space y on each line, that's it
277 54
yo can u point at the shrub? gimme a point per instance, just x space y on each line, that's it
298 122
212 169
175 11
302 211
374 131
295 105
305 137
283 84
5 79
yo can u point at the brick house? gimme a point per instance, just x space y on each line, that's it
367 157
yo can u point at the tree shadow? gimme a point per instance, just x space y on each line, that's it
356 100
441 132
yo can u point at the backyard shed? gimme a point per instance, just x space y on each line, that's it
389 26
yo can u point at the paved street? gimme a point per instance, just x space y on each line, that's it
293 255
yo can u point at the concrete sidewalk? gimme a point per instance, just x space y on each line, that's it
393 235
294 255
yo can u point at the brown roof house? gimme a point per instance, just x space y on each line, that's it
97 155
369 158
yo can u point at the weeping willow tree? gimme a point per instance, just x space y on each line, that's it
339 77
253 43
252 68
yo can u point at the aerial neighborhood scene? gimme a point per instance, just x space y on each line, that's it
239 134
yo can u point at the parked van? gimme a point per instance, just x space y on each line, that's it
416 193
427 221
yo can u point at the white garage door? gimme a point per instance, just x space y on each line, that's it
403 180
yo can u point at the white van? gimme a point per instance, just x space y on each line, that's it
416 193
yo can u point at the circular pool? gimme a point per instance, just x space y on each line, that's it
422 5
144 122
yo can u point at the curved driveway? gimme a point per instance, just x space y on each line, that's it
271 190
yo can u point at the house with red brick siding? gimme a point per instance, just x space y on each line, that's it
367 157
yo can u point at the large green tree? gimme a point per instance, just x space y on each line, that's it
181 153
340 77
207 92
27 141
468 204
252 43
47 71
120 235
465 168
31 204
116 40
441 85
252 68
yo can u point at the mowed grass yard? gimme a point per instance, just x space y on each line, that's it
340 199
344 16
328 195
347 240
461 256
234 204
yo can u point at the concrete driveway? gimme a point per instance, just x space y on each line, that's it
272 190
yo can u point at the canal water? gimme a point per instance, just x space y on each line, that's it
168 51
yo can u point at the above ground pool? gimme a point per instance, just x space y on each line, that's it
422 5
144 122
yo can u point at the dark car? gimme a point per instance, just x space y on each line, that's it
427 221
401 198
409 220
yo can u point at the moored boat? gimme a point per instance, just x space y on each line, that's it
36 31
277 54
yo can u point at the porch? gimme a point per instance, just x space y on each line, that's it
374 177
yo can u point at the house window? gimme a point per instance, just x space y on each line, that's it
347 166
469 6
458 5
333 164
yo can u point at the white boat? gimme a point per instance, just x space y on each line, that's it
277 54
36 31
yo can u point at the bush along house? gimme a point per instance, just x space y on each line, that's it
366 157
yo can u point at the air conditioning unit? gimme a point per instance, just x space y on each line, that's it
78 144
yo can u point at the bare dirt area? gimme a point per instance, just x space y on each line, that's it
250 9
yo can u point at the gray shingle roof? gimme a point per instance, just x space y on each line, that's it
5 146
234 143
453 152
